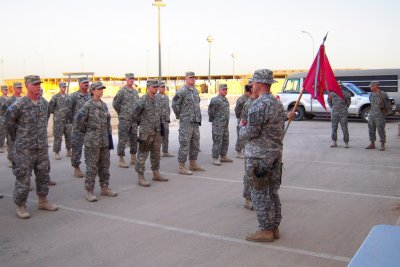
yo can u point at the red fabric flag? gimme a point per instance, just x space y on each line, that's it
320 78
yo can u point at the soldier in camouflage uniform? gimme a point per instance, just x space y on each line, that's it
123 103
147 112
77 100
3 99
163 102
239 112
26 123
380 106
59 107
339 114
264 135
186 106
218 115
94 121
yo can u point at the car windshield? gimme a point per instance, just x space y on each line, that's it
355 89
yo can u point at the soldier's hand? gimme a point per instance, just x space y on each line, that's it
242 123
291 115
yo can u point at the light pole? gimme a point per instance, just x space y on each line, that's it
210 39
2 70
312 40
159 4
233 65
82 55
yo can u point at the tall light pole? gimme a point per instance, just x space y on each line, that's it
210 39
312 40
2 70
233 65
159 4
82 55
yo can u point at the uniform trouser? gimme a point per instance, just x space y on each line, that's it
127 131
189 141
24 161
239 143
10 145
61 128
246 183
97 163
152 144
377 122
2 132
77 144
341 118
220 136
266 200
165 138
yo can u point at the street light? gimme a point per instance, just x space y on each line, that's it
312 40
82 55
2 70
159 4
210 39
233 65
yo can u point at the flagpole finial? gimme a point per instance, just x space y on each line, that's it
326 36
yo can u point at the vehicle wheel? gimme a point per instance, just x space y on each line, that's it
365 114
299 114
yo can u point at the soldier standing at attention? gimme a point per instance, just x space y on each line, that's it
147 112
218 114
163 102
26 123
59 106
123 103
3 99
186 106
264 134
94 121
339 114
380 106
239 112
77 100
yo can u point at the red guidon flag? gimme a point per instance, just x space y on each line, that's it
320 77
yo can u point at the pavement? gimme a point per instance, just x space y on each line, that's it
331 198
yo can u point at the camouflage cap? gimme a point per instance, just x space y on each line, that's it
129 75
374 83
189 74
4 87
152 83
17 85
62 84
83 80
32 79
223 86
264 76
97 86
161 84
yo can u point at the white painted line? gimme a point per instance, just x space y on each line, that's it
345 163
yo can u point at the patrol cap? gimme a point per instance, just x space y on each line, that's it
17 85
189 74
97 86
4 87
129 75
32 79
83 80
152 83
161 84
264 76
374 83
62 84
222 86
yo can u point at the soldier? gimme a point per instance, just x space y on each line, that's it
380 106
123 103
77 100
94 121
3 99
26 123
218 115
186 106
238 112
59 106
339 114
147 112
264 134
163 102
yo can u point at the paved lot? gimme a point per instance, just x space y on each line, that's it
331 198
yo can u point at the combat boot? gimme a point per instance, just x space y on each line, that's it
78 173
248 204
90 196
346 145
1 196
52 183
106 191
225 159
334 143
216 162
10 164
57 156
240 155
158 177
69 153
167 155
142 181
261 236
382 147
194 167
276 233
22 212
133 159
45 205
2 149
371 146
182 169
122 163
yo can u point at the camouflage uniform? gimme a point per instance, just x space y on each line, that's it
26 123
380 105
186 106
147 112
3 100
62 124
94 121
123 104
339 114
11 100
165 112
239 114
218 113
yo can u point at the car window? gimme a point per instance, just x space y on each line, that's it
292 86
344 88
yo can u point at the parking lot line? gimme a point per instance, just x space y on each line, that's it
344 163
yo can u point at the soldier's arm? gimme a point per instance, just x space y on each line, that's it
81 118
117 101
168 111
238 108
254 124
330 100
137 110
10 121
52 104
211 111
348 100
176 104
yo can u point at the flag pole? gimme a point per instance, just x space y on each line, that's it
294 109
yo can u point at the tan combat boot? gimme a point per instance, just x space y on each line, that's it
240 155
69 153
142 181
78 173
167 155
158 177
334 143
225 159
122 163
382 147
216 162
276 233
52 183
133 159
371 146
22 212
2 149
261 236
248 204
194 167
57 156
346 145
106 191
45 205
182 169
10 164
90 196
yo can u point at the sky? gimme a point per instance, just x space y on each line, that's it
111 38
